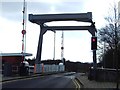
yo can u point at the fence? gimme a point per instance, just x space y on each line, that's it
103 74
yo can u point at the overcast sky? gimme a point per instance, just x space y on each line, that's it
77 44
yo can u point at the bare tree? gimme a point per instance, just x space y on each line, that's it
109 36
107 33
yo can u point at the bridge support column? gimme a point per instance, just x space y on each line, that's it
39 50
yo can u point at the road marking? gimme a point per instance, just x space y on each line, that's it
71 77
20 79
77 86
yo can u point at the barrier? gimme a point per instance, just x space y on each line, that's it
47 68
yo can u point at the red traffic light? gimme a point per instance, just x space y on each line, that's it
93 43
93 39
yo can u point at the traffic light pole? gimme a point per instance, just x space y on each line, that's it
94 63
94 48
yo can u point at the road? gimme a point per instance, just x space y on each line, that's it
51 81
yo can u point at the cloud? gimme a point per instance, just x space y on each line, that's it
99 9
12 10
38 7
11 7
10 36
78 48
69 7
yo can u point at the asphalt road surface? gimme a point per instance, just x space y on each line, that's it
51 81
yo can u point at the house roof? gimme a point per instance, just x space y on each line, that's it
15 54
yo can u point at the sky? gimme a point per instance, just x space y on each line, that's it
77 44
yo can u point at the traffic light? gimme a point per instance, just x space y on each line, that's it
93 43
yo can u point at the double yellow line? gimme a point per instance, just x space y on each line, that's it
77 85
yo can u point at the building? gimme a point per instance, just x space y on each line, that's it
12 60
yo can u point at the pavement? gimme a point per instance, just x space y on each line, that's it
92 84
80 77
